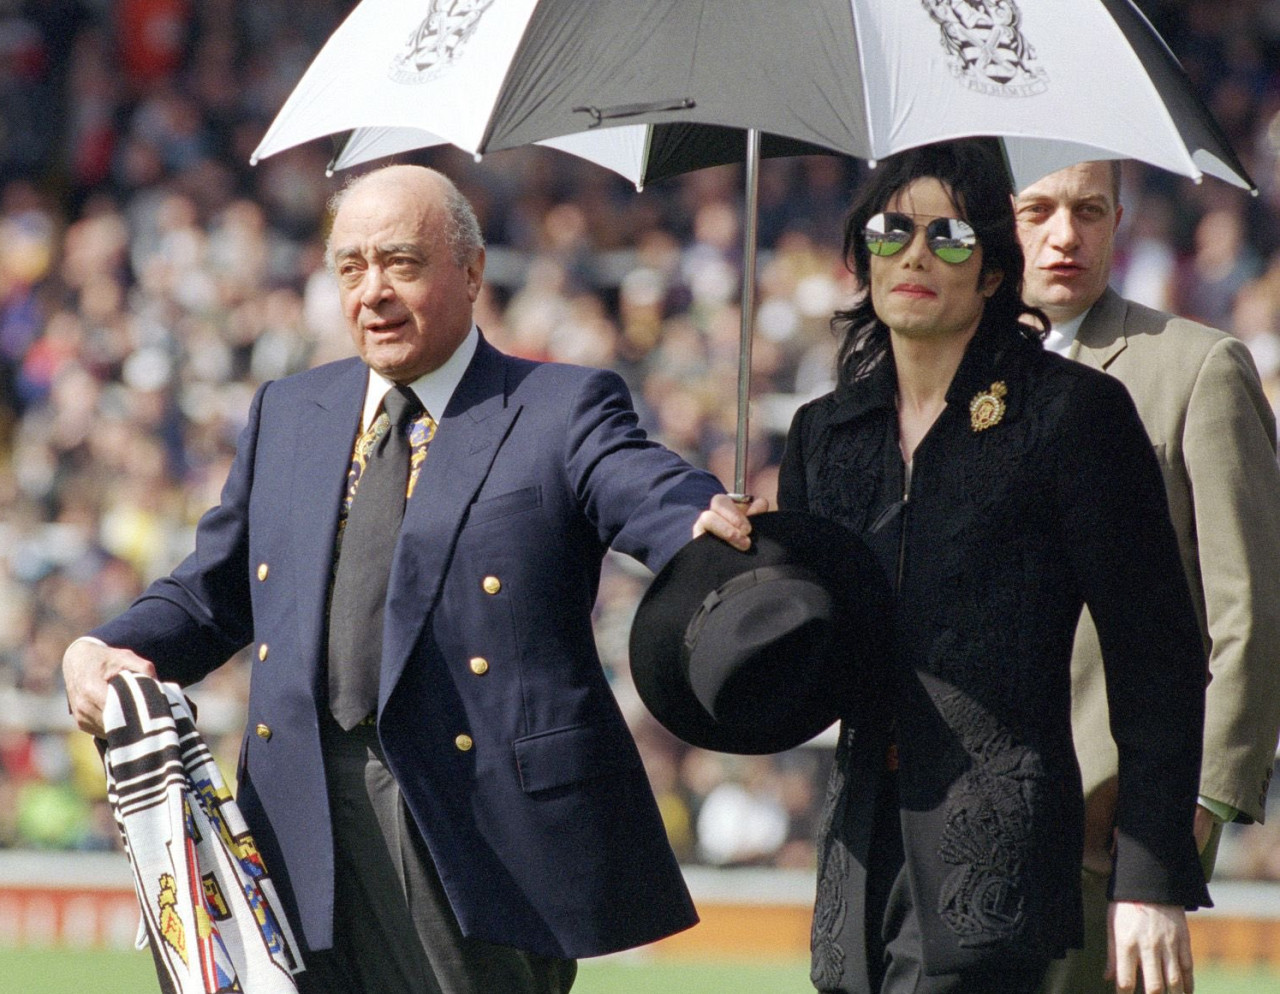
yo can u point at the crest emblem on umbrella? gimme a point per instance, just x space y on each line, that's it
438 40
986 48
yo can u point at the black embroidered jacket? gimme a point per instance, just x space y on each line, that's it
1035 491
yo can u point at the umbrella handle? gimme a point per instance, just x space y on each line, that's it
749 226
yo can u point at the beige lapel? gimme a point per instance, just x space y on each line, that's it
1102 336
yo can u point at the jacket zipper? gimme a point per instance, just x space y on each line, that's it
902 530
888 514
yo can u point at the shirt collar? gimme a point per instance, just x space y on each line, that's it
433 389
1062 335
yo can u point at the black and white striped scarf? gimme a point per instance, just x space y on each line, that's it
209 906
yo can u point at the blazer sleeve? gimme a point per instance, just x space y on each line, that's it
1124 555
641 497
193 620
1229 448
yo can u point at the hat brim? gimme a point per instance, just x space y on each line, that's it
805 681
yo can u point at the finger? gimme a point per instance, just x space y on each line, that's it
1153 971
1123 967
733 520
749 504
87 668
1186 963
731 506
134 663
711 523
87 707
1177 963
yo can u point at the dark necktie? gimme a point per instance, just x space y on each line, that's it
364 567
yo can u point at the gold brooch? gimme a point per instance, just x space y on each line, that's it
987 408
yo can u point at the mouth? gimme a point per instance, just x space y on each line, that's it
384 329
1064 269
914 290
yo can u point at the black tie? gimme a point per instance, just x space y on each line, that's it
364 567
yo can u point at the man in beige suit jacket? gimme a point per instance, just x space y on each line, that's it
1198 393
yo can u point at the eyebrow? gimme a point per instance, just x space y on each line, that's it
381 251
950 217
1088 198
399 248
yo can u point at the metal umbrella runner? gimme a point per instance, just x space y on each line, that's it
663 86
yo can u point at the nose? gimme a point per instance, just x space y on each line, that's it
1063 233
917 250
374 287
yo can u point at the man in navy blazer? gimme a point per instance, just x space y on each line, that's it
495 734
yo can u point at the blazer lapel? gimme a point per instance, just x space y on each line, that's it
326 435
1101 336
466 442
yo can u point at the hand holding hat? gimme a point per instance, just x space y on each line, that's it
757 651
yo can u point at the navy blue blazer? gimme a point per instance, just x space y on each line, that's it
545 832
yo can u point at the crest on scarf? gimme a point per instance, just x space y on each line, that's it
438 40
171 927
986 48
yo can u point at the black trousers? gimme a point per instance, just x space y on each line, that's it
904 963
394 930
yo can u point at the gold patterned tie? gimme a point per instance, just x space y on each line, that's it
385 466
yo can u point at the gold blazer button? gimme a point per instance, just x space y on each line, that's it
479 666
491 584
464 743
263 570
262 652
264 733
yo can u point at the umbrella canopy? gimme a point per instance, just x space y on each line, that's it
653 88
642 153
1059 82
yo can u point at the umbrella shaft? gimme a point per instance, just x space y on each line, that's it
750 215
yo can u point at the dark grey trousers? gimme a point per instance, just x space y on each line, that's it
394 930
894 944
904 973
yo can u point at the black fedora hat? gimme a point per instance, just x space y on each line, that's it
759 651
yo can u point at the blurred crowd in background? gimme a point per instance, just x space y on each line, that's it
151 279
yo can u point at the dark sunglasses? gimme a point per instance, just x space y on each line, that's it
949 238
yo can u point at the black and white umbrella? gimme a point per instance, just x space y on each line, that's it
650 88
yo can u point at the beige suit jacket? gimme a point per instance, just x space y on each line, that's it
1198 393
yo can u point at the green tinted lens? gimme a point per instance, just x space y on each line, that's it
951 239
887 234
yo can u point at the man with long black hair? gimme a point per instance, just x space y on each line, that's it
1000 487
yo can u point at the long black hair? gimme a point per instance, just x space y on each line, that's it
975 175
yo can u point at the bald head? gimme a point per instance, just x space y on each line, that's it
461 230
